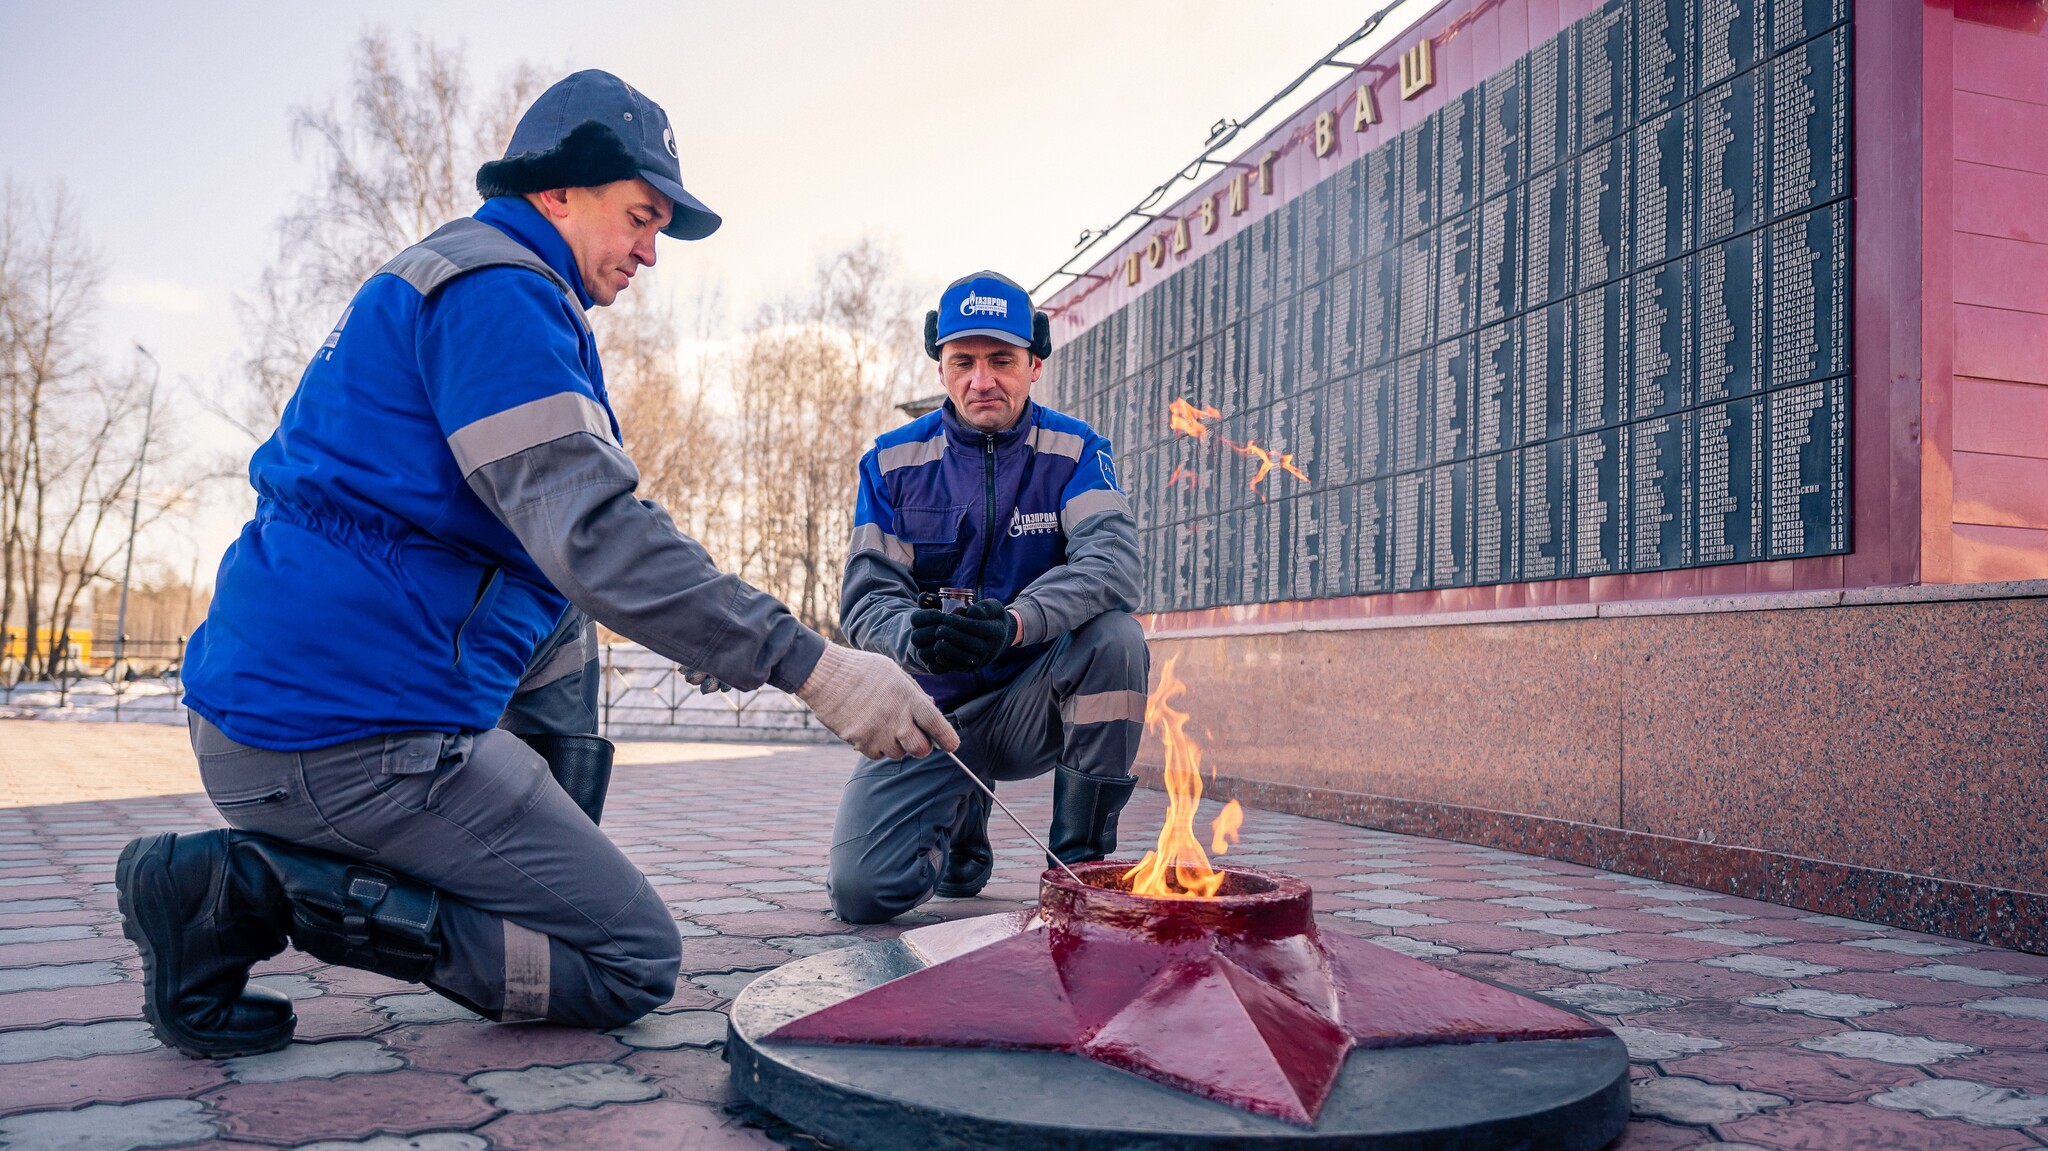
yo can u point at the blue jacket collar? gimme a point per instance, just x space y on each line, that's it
524 223
960 430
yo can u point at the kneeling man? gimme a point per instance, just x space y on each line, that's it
1017 505
397 669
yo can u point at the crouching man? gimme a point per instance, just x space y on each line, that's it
1044 670
393 693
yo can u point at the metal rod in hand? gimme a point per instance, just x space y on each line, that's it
991 793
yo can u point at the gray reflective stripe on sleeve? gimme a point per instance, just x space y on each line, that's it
1090 504
911 455
563 662
529 425
1054 443
1105 707
871 538
528 971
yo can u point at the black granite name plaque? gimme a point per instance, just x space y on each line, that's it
1590 317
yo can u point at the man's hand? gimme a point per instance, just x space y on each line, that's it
962 641
869 702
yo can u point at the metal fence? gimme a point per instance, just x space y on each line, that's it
645 695
642 696
145 685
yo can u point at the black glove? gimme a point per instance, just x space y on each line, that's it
962 641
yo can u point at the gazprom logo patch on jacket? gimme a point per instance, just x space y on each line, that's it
975 305
1032 523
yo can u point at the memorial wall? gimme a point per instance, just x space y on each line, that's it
1559 292
1590 316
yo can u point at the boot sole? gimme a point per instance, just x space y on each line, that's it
142 919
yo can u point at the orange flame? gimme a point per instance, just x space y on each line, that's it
1267 463
1178 868
1183 472
1223 830
1185 418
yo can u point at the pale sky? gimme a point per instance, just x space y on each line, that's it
964 135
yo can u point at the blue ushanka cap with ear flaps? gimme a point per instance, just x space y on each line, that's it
985 304
593 128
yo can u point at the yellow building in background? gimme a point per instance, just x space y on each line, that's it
78 639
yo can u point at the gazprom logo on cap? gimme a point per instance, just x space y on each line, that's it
973 305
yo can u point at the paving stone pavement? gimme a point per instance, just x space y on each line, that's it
1751 1024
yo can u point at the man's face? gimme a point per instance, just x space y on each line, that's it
610 230
988 380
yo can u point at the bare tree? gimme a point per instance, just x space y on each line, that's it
813 383
72 430
664 403
397 158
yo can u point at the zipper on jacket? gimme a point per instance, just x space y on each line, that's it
988 536
988 522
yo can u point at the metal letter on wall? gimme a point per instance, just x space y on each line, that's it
1418 69
1365 110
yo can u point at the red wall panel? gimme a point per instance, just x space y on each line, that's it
2007 491
2001 62
1983 553
1994 344
2001 418
2002 201
2000 132
1995 272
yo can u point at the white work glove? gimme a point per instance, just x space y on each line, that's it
869 702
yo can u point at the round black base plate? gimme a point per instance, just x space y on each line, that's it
1568 1095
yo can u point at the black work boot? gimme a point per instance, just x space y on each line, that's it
183 910
969 858
1084 811
203 908
582 764
343 911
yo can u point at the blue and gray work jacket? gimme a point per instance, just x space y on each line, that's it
444 483
1032 516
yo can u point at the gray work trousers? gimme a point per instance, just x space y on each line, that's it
542 917
1081 703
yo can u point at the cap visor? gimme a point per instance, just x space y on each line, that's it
690 219
991 333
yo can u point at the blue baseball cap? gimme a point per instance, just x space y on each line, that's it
593 128
984 304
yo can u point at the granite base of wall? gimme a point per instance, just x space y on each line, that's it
1879 761
2007 918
